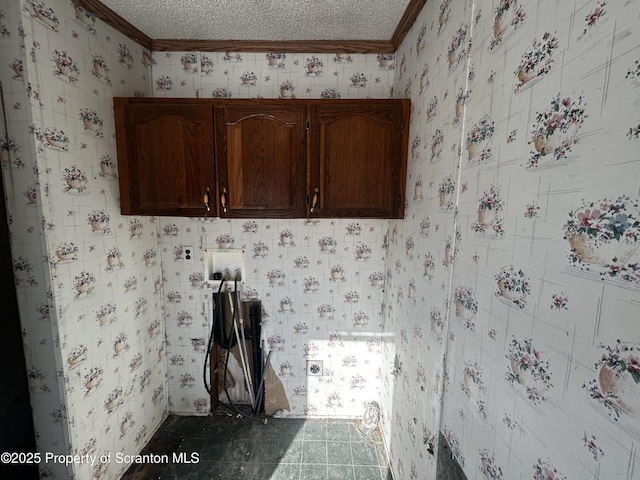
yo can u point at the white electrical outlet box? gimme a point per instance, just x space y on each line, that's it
314 368
221 264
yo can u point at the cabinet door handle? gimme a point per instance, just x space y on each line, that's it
223 200
206 200
314 200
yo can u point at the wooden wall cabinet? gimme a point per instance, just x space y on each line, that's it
165 157
358 158
262 158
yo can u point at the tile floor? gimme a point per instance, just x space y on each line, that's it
246 449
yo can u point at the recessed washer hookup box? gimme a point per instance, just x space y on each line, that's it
223 264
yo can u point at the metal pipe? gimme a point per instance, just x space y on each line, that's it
240 316
241 349
260 386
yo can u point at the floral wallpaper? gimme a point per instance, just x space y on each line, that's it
88 301
321 283
321 287
114 324
272 75
523 213
502 306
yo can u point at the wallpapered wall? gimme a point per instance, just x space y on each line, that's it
522 142
47 399
94 311
319 303
320 282
89 304
523 175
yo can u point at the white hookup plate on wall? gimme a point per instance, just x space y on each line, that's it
221 261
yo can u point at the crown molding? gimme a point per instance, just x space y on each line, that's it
289 46
406 22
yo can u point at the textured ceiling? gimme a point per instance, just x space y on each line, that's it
268 20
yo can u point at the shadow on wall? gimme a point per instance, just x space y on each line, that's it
15 408
448 467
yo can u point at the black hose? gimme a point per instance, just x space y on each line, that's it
226 341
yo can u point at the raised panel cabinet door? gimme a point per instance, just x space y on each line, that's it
260 155
166 159
358 159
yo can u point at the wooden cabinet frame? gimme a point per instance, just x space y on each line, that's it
263 158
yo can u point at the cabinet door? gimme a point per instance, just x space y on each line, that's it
260 158
358 158
165 158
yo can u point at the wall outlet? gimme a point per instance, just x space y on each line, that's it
314 368
187 253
